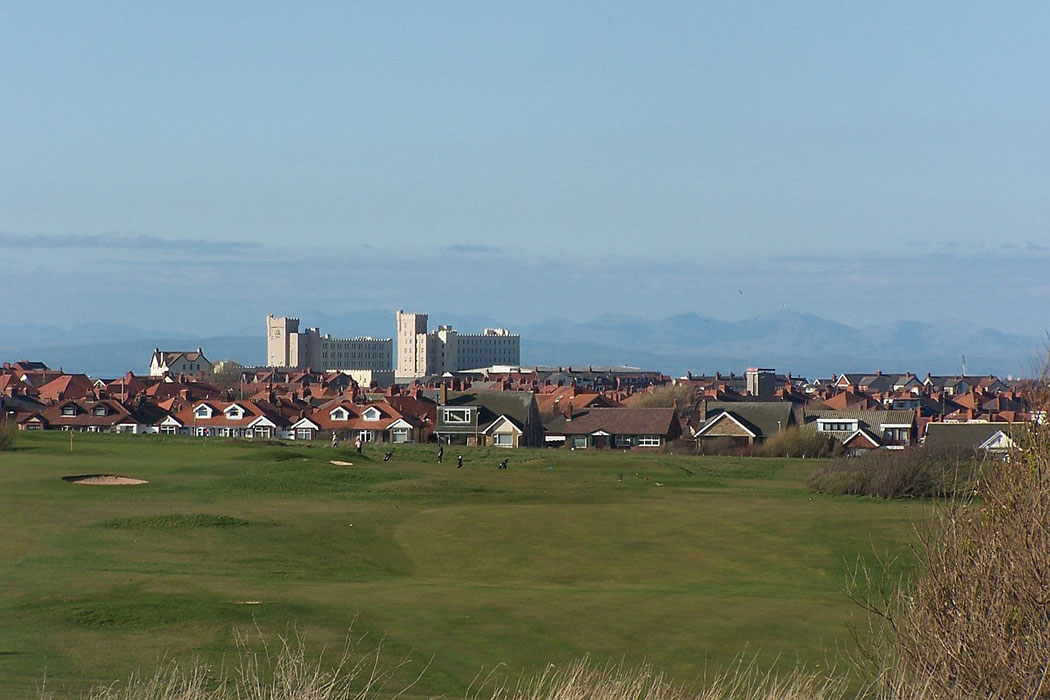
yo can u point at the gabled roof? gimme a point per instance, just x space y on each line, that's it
769 417
116 413
622 421
514 404
970 436
166 358
184 412
862 435
504 420
723 416
388 415
67 386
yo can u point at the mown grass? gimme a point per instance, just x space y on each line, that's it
687 561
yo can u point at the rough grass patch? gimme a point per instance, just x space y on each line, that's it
175 522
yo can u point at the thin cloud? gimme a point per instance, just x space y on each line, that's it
470 248
124 241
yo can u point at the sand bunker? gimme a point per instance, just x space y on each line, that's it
104 480
338 463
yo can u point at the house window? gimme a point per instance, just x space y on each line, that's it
202 412
457 416
623 441
399 435
100 411
303 434
169 430
649 441
203 432
503 440
367 435
339 414
579 442
69 410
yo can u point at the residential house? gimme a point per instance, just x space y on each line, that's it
867 430
67 386
178 362
90 416
375 422
742 422
496 418
616 428
217 418
978 436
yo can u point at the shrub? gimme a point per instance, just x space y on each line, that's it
910 473
7 435
666 396
799 441
975 622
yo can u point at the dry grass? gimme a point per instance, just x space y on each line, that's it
584 680
287 672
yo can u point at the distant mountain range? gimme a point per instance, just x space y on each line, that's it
804 344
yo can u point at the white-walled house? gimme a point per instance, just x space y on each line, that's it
178 362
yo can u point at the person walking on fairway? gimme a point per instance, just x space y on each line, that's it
335 440
441 453
358 443
503 464
459 462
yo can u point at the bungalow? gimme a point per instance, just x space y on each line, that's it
211 418
742 422
88 415
377 422
979 436
619 428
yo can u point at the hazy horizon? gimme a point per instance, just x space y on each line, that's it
199 166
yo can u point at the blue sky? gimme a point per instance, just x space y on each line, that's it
835 158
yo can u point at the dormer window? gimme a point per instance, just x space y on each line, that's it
461 416
202 411
234 412
70 410
101 411
340 414
371 414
